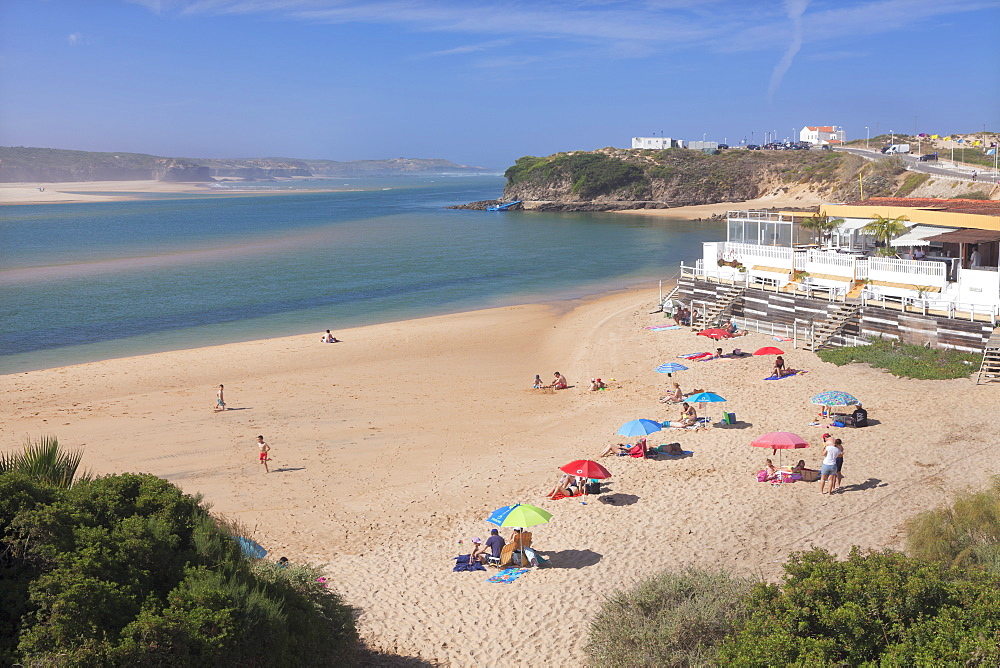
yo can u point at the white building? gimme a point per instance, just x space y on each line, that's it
822 134
656 143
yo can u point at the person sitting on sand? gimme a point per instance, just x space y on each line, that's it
594 385
529 555
772 470
565 486
478 551
730 327
674 397
329 338
682 316
779 366
560 382
538 382
718 354
689 416
800 467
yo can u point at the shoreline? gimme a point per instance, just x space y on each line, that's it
407 434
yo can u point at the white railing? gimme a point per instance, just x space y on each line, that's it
738 251
907 267
799 260
728 276
830 259
952 309
754 214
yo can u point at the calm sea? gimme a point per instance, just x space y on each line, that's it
84 282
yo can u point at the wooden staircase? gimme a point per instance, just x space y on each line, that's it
825 331
715 311
990 369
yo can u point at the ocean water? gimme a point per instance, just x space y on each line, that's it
84 282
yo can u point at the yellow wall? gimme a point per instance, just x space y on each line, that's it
974 221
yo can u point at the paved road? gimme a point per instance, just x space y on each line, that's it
984 175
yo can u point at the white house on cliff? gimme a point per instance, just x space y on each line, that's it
822 134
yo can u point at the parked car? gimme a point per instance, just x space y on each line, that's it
753 147
927 157
721 146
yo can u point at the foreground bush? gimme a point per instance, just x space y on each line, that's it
127 570
672 619
880 608
965 534
906 360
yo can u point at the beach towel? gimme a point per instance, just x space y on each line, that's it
797 372
560 495
781 338
508 575
693 355
684 453
663 328
462 564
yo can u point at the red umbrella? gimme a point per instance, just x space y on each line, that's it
780 440
770 350
585 468
715 334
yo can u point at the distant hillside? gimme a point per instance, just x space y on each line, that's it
610 178
48 165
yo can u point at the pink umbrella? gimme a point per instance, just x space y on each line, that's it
770 350
780 440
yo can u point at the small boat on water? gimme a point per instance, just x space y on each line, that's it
502 207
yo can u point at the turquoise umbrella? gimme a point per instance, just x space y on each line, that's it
705 398
834 398
639 427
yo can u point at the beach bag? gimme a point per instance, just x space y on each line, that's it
808 475
762 476
594 488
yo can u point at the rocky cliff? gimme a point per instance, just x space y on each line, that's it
610 179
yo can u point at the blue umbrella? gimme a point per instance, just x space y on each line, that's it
705 398
670 368
639 428
834 398
251 548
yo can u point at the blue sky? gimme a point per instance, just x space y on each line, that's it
483 82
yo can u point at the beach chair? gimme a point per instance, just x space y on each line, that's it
729 418
507 553
495 561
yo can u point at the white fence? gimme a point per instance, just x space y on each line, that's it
739 252
841 260
861 269
910 268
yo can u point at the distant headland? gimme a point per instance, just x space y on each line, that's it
19 164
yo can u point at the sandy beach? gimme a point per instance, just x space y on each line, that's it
393 446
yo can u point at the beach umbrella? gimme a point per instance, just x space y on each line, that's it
670 368
586 468
703 398
251 548
834 398
639 427
780 440
519 515
769 350
715 334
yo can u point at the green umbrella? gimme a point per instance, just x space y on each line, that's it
523 515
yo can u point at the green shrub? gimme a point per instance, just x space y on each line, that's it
127 570
879 608
966 533
973 194
911 183
905 359
672 619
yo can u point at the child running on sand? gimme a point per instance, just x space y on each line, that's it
220 404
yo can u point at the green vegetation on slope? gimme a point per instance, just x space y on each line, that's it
677 176
126 570
906 359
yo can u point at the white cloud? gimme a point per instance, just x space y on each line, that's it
795 9
76 39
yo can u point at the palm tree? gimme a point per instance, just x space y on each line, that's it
885 229
46 462
821 225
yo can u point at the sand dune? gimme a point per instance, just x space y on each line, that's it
391 447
